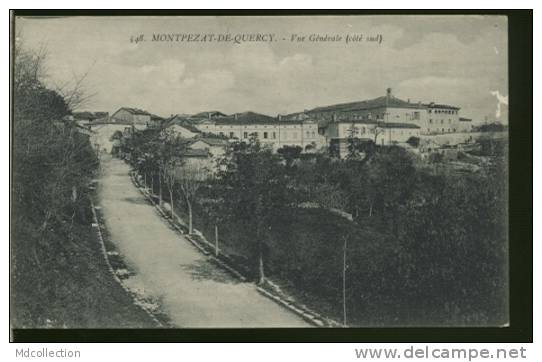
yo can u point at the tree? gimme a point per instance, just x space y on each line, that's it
391 178
53 164
190 177
290 154
254 187
414 141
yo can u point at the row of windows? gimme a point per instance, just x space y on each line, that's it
447 111
270 135
256 126
441 121
449 130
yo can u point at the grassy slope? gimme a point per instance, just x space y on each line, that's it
73 289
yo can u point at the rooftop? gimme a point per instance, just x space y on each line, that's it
248 118
195 153
383 101
212 141
208 114
135 111
90 115
181 121
397 125
387 100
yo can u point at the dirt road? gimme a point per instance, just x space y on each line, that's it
193 292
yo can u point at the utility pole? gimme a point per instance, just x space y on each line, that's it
344 281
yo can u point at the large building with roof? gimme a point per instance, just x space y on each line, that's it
385 120
431 118
274 131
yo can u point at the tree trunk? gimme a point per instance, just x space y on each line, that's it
216 240
145 179
189 204
171 204
260 268
370 209
152 184
159 189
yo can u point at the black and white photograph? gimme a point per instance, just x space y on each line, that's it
248 172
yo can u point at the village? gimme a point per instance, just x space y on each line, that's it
259 183
423 129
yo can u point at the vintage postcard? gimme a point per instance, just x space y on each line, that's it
260 171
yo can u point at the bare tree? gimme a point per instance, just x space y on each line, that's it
169 173
30 70
75 91
190 178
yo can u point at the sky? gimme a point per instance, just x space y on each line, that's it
454 59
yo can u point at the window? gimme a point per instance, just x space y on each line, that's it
308 134
449 121
416 115
448 130
443 130
454 129
221 133
442 122
313 134
428 130
274 135
265 135
430 120
245 134
231 134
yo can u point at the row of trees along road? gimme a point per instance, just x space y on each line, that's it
427 246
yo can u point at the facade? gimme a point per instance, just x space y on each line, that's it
198 159
216 147
181 126
101 137
465 124
431 118
86 117
441 119
337 133
276 132
139 118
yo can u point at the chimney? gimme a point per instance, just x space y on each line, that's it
388 93
279 117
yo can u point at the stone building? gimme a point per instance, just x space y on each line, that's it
274 131
139 118
337 133
431 118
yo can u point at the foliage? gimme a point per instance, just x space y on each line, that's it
290 154
426 246
414 141
53 164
